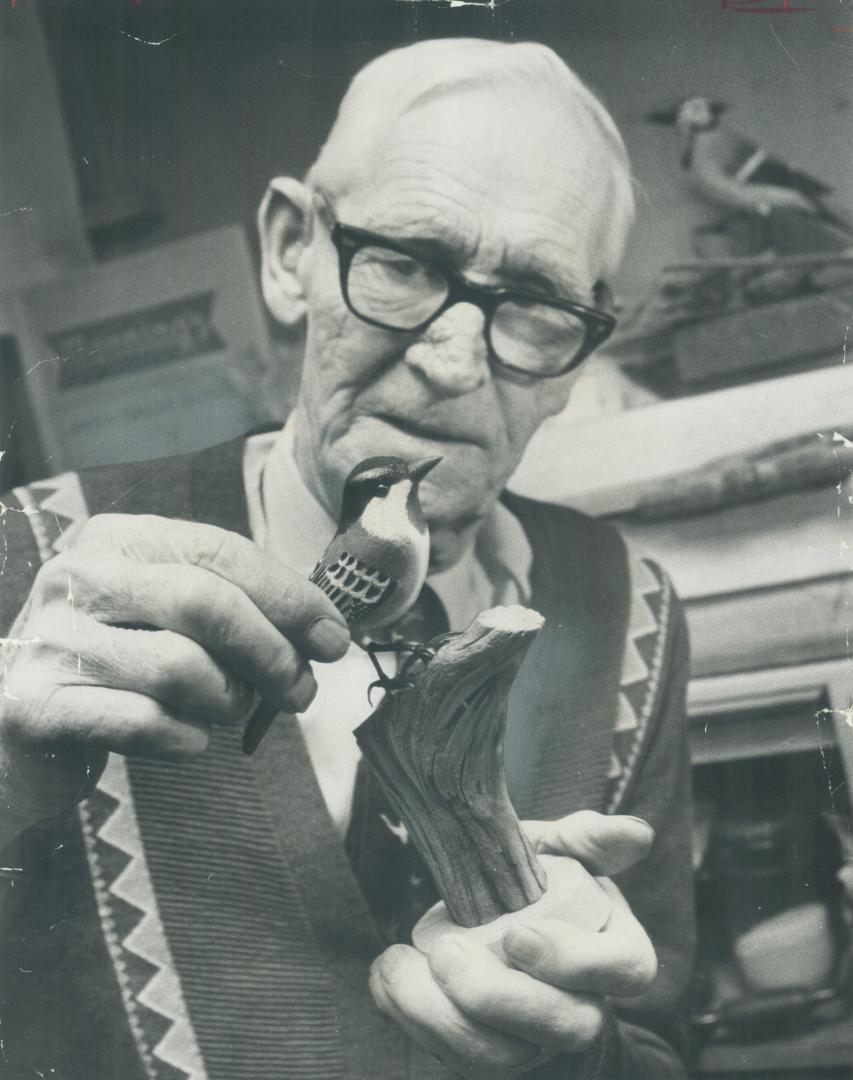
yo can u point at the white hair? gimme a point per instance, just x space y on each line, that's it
404 79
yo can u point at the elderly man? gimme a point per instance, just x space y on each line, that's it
176 909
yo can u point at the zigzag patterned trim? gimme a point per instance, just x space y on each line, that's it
57 511
147 941
127 907
651 600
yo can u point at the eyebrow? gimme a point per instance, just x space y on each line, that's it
522 275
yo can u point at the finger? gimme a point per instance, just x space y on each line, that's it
440 1050
291 603
118 720
197 604
487 991
401 982
619 960
605 844
168 667
417 1033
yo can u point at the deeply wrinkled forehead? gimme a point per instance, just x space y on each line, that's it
447 76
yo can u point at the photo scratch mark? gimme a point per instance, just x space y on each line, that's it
145 41
782 46
25 510
490 4
134 37
16 210
845 715
44 360
5 692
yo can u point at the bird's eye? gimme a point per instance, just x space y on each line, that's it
382 490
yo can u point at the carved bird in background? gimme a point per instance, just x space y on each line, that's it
785 206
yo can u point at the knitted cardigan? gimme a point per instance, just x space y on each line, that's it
202 920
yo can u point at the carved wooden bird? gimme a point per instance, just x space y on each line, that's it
729 169
374 566
376 563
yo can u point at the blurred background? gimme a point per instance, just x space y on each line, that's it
717 430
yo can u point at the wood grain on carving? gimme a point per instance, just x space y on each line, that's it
437 747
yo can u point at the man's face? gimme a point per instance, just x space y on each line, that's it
501 195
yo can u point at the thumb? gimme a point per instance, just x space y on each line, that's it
605 845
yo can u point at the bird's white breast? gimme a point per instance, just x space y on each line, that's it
389 519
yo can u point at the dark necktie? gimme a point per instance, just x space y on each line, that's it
394 881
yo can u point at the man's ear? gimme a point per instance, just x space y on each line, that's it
284 224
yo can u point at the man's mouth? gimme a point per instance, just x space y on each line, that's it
420 430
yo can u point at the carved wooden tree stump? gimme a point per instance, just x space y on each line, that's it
437 747
436 744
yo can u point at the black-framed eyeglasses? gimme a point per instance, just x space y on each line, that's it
387 284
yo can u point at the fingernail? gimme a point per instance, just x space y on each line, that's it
525 945
643 822
327 638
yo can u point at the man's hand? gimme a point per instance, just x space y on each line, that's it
487 1020
137 639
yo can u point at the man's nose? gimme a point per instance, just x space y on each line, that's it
452 353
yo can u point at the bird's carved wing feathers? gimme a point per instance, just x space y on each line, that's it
352 586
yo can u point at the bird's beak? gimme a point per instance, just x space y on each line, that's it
718 107
662 116
417 470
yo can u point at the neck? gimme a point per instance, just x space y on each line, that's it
448 543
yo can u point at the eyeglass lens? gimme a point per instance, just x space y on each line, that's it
394 288
401 292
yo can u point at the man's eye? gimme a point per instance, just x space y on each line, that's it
399 266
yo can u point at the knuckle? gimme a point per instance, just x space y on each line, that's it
390 966
73 580
215 547
207 611
51 582
219 612
587 1024
293 595
288 669
95 590
172 668
640 969
379 986
377 990
42 658
471 991
572 1026
99 529
561 1023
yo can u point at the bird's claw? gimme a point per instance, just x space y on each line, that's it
396 682
402 680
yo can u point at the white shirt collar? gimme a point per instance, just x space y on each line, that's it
291 525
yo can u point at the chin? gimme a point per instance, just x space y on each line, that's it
454 503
